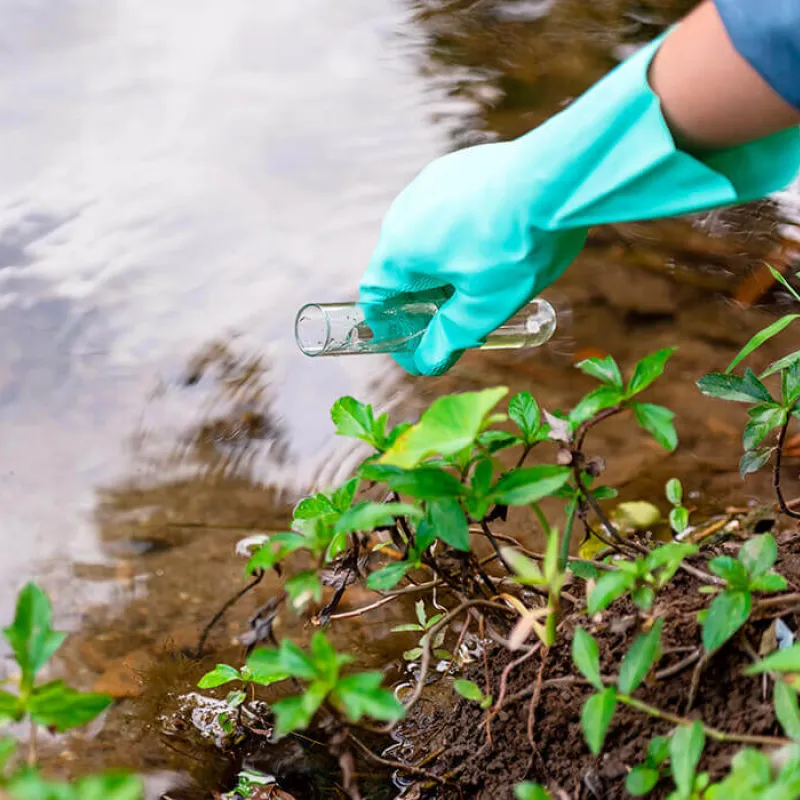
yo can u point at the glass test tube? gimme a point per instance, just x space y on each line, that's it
336 329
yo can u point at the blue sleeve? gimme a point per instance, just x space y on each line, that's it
767 35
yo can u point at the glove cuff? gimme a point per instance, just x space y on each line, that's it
617 160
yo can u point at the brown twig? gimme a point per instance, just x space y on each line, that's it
385 762
356 612
537 693
776 472
487 532
201 644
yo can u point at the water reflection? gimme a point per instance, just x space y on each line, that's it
184 178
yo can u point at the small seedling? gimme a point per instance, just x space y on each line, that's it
641 578
679 515
643 778
531 791
423 626
53 704
751 571
356 695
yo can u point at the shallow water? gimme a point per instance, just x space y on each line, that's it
177 179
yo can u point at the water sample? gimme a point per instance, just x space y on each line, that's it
338 329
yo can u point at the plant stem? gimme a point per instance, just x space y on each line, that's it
712 733
776 472
490 536
32 744
585 427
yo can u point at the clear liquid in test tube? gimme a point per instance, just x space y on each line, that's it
337 329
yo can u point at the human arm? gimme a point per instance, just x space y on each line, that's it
711 95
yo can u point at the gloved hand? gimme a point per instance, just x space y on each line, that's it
497 223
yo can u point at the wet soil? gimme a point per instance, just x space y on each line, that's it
557 755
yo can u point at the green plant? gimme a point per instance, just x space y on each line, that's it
445 486
751 571
531 791
640 577
53 705
423 625
355 695
33 641
643 778
679 515
471 691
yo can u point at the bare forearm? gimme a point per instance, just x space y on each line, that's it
711 97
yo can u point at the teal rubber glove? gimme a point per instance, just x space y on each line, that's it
495 224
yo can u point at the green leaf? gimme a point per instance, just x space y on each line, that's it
343 497
658 750
730 569
611 586
294 661
604 369
326 660
482 478
366 516
450 424
524 411
468 690
354 419
727 613
758 554
419 609
667 559
388 577
782 363
643 653
763 419
597 400
494 441
31 635
113 785
266 666
221 674
787 710
771 582
596 716
407 628
732 387
274 550
8 747
526 569
302 588
56 705
11 710
521 487
674 491
531 791
641 780
685 750
315 506
643 597
448 521
647 370
679 519
588 572
762 336
657 421
790 385
753 460
296 713
413 654
586 655
786 660
361 695
425 483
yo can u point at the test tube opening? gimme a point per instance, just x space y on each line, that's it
312 329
